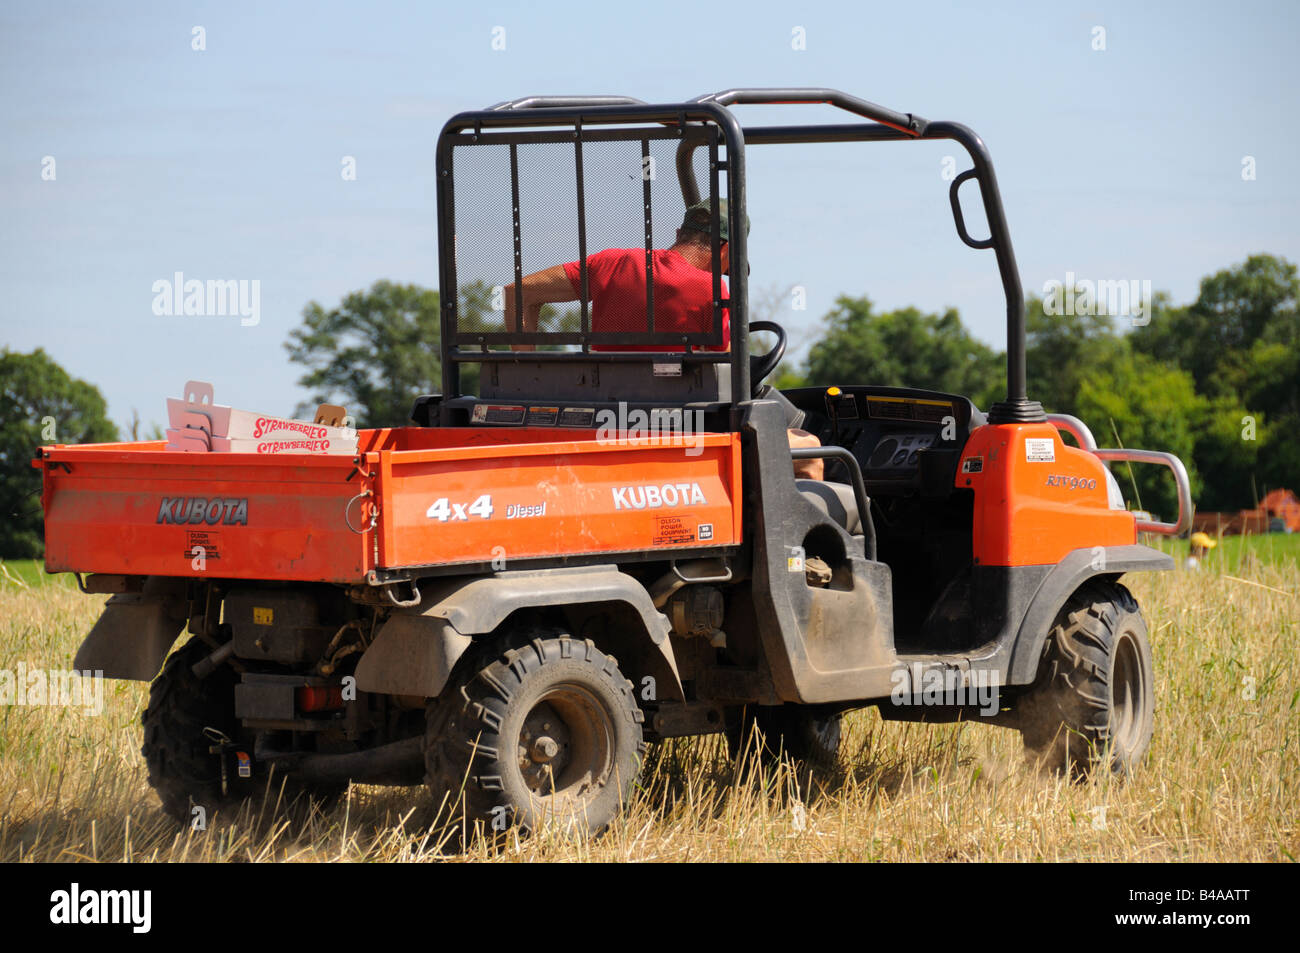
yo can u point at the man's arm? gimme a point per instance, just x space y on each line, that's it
813 468
548 286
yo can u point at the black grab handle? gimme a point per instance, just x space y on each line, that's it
956 212
859 489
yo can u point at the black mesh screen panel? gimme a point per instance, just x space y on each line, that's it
527 202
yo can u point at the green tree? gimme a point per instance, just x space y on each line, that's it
787 377
904 348
1064 350
39 404
1235 308
1240 341
1229 441
375 353
1268 378
1140 403
379 349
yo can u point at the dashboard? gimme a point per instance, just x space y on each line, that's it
904 440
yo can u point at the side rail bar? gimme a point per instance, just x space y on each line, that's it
1076 428
859 489
1180 477
806 95
554 102
1079 430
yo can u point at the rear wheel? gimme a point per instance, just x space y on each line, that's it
539 730
187 717
183 713
1092 706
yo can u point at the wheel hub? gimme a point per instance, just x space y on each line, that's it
544 749
565 744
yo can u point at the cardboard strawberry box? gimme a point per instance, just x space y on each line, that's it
242 431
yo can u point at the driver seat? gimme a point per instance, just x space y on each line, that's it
836 500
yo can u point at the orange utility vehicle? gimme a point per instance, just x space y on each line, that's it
607 544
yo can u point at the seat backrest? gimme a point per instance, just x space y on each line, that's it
634 381
836 500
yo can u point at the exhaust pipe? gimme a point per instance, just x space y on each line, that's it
205 667
399 762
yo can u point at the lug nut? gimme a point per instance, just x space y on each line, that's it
544 749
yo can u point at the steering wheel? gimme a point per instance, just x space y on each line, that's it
760 365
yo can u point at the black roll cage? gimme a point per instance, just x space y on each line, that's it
885 125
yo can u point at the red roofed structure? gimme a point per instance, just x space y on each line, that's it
1277 504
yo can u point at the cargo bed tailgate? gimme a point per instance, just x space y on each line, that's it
138 509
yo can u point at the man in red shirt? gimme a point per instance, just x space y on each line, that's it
616 282
683 295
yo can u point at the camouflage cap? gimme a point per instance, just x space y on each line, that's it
699 218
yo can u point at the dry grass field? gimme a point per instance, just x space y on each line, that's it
1220 782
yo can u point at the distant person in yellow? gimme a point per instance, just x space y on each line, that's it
1201 544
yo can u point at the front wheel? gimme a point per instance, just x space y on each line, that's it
1092 706
540 730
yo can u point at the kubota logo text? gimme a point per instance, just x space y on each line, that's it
651 497
200 509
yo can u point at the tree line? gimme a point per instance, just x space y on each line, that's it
1215 381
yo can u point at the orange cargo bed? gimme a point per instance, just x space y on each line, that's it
412 497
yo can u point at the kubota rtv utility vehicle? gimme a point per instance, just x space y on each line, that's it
607 544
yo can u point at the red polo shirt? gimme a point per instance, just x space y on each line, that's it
683 296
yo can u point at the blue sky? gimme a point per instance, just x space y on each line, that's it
1122 163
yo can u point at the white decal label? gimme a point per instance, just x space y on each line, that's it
520 511
1040 450
443 509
